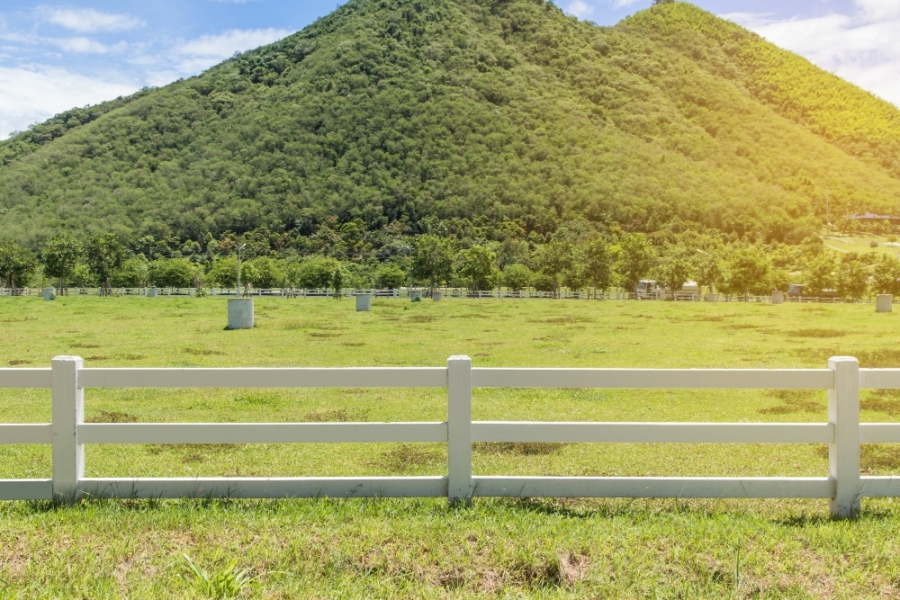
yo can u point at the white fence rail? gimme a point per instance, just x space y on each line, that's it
446 293
68 433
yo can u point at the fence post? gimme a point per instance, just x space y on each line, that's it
843 453
459 429
68 413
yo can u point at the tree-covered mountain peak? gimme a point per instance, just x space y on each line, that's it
487 115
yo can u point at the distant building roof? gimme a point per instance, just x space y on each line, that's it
873 217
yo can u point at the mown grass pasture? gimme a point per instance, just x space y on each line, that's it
423 548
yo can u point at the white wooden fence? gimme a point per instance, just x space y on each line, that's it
67 378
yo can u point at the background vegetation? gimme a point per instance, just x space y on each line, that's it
503 120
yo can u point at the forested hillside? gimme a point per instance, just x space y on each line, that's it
500 118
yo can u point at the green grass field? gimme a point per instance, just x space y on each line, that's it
862 244
423 548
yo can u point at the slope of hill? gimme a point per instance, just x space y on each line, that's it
394 110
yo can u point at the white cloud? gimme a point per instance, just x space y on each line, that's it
33 94
80 45
862 48
87 20
623 3
224 45
580 9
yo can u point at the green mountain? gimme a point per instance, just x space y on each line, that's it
388 112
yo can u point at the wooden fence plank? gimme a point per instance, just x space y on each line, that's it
26 489
26 378
31 433
879 433
299 487
643 433
416 377
259 433
815 379
655 487
883 379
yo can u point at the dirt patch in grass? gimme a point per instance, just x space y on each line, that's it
816 333
131 356
97 358
563 320
202 352
105 416
521 448
872 456
19 361
709 319
883 401
340 415
18 319
92 346
422 319
353 344
405 456
194 453
323 335
882 358
793 401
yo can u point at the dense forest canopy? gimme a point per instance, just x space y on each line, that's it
483 120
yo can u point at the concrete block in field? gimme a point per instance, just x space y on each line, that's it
152 292
240 313
436 296
777 297
415 295
364 302
884 303
49 294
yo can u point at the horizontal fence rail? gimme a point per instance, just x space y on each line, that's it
68 433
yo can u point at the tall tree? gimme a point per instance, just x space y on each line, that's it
598 264
476 264
60 257
635 259
433 259
819 275
853 276
17 264
104 255
886 276
747 271
557 257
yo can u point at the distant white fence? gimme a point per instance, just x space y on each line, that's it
564 294
68 433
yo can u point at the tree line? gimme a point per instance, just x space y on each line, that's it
574 259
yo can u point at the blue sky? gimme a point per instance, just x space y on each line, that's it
57 55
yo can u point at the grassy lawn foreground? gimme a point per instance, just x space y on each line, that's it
422 548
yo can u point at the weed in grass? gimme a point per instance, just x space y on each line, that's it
82 345
19 361
18 319
353 344
794 401
105 416
293 325
522 448
405 456
816 333
228 582
97 357
128 356
323 335
257 399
